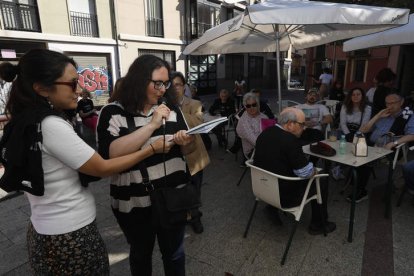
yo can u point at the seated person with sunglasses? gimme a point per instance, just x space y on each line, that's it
248 127
279 150
263 108
317 117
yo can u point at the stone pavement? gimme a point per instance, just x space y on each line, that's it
222 248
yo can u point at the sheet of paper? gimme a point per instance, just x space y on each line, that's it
207 127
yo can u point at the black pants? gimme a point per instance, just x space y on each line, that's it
363 173
140 233
291 194
220 131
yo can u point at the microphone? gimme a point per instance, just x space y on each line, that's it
162 100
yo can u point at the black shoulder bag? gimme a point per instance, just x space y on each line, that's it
353 128
172 207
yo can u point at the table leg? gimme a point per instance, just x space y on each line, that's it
388 187
352 215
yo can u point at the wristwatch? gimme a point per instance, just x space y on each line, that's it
396 142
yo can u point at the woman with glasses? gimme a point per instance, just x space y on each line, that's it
43 156
135 120
248 127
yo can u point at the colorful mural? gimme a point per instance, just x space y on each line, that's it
96 81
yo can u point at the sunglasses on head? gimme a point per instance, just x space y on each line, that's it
73 84
251 105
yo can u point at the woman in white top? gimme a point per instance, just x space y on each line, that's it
354 112
248 127
62 238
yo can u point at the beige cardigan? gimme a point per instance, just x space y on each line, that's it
193 114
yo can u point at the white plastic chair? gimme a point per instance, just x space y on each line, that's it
398 149
288 103
265 187
330 104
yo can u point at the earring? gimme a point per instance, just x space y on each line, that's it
50 104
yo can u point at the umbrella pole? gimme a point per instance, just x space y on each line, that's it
279 88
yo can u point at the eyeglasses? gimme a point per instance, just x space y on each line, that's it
178 84
160 84
251 105
390 103
73 84
302 124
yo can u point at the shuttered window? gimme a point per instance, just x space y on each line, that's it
94 76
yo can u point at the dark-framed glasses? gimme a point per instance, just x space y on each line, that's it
160 84
302 124
391 103
73 84
251 105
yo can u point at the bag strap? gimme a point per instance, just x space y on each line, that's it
362 116
141 165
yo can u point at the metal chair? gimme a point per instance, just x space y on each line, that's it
265 187
401 148
246 168
230 127
404 191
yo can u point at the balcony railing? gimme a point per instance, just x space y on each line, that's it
198 29
155 27
20 17
84 24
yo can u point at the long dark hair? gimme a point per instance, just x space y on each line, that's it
133 88
349 105
36 66
116 91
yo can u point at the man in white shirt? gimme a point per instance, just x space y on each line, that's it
325 81
317 115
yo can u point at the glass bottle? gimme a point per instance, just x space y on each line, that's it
342 145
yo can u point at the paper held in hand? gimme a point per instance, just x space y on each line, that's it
207 126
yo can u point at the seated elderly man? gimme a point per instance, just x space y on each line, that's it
248 127
390 127
317 116
279 150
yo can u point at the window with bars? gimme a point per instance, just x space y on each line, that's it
359 70
168 56
256 67
203 73
83 18
203 16
19 16
320 52
154 18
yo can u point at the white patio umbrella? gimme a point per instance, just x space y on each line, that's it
274 25
395 36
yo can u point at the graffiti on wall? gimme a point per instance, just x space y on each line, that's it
95 80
